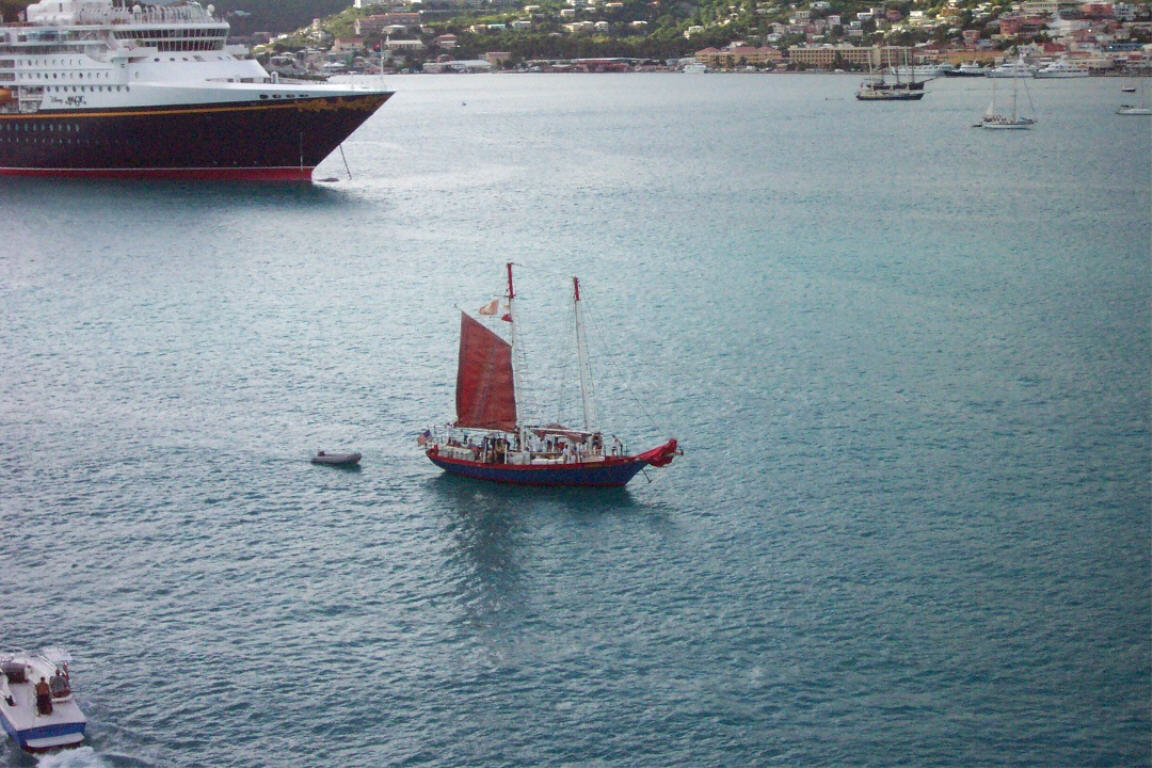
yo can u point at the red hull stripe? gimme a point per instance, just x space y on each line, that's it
367 102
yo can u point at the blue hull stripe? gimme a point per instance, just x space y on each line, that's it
43 732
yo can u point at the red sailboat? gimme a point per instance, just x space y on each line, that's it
488 440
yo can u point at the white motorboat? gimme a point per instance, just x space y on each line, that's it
37 707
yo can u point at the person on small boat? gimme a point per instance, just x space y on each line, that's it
43 697
58 684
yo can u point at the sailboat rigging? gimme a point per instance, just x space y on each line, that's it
877 88
489 440
1013 120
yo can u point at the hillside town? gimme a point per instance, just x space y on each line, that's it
1097 38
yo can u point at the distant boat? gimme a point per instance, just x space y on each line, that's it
876 87
1061 68
490 441
966 69
695 68
1012 69
923 71
994 119
37 708
1144 108
336 459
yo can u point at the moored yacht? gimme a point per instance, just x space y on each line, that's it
1061 68
966 69
1013 69
153 89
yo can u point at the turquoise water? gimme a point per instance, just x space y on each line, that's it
909 363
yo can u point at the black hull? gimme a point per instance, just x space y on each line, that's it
273 140
906 96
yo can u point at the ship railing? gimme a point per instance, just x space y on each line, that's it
97 13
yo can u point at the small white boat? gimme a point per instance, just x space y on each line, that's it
36 703
336 459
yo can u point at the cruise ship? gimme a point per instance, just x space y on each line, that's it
111 88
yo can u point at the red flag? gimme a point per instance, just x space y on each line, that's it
506 317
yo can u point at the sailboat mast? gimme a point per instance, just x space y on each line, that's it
1016 87
512 340
586 398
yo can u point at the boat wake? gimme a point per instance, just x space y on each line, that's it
79 757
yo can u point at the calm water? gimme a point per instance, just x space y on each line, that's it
909 362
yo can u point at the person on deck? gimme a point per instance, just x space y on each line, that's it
58 684
43 697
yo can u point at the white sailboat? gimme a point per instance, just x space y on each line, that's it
994 119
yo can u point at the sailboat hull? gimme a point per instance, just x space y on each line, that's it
1003 123
601 474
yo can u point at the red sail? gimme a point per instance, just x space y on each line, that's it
485 396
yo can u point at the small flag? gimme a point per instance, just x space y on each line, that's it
506 317
424 437
490 308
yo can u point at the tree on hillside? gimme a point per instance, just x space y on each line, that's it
10 9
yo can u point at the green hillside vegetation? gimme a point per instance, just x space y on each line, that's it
646 29
247 16
10 9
